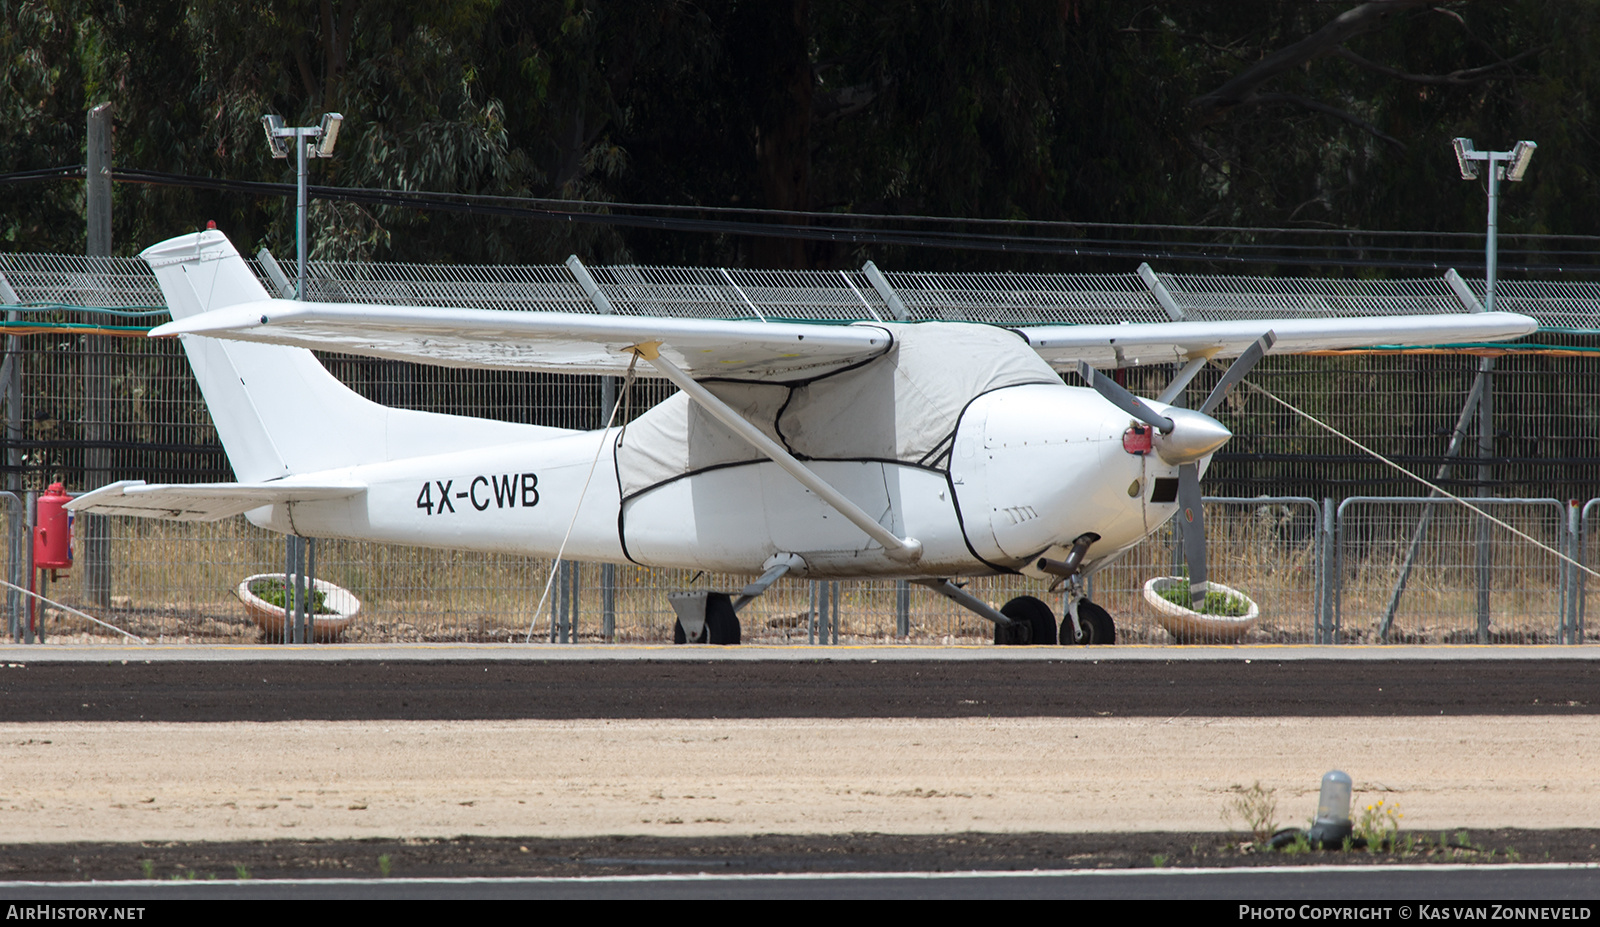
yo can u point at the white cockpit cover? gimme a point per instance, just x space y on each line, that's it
900 406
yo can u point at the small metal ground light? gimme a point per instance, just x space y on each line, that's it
1332 825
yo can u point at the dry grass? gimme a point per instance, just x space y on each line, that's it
174 582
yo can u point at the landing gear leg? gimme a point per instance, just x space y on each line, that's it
1086 622
1007 629
713 617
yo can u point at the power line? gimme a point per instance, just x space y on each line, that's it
843 228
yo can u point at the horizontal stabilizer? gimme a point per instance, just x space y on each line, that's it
200 501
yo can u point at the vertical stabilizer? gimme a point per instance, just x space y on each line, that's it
277 409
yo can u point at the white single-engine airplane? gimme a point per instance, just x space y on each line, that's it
921 451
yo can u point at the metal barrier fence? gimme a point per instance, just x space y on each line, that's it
1430 573
175 582
1588 541
1320 573
1375 569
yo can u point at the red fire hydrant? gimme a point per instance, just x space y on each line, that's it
52 549
52 532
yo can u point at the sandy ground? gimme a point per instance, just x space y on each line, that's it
90 781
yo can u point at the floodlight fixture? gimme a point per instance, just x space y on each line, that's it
1521 154
1503 165
1465 159
276 135
329 129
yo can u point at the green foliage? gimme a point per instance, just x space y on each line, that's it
1256 808
1216 603
272 592
1069 111
1379 824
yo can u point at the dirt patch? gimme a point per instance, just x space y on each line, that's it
104 782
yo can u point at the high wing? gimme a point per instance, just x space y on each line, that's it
201 501
553 342
568 342
1063 346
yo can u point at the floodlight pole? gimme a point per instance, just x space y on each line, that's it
301 202
1511 165
327 132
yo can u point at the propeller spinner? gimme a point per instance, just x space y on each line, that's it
1187 436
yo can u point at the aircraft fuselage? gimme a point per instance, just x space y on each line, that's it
1029 469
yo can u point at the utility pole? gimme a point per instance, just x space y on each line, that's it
1502 165
95 529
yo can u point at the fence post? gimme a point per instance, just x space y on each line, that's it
902 608
1573 574
608 602
16 518
836 597
564 601
288 588
1333 559
575 598
1583 557
1485 475
811 616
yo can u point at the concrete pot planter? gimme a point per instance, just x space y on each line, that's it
1191 627
325 627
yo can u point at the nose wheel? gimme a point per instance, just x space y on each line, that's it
1085 623
1094 625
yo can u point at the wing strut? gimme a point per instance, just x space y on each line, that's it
904 550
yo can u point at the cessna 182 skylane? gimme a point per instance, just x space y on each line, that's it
922 451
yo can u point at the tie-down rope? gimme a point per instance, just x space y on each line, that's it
627 388
1431 485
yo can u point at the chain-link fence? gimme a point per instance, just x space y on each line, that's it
1432 571
1386 572
89 399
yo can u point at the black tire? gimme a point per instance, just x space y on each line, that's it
1037 622
722 622
1098 628
721 627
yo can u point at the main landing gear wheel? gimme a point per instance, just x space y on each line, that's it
721 627
1034 623
1096 623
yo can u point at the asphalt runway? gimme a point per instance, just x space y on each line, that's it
469 689
1574 886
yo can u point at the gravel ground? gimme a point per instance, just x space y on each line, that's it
454 768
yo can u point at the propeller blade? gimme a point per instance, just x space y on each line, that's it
1123 399
1193 519
1237 370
